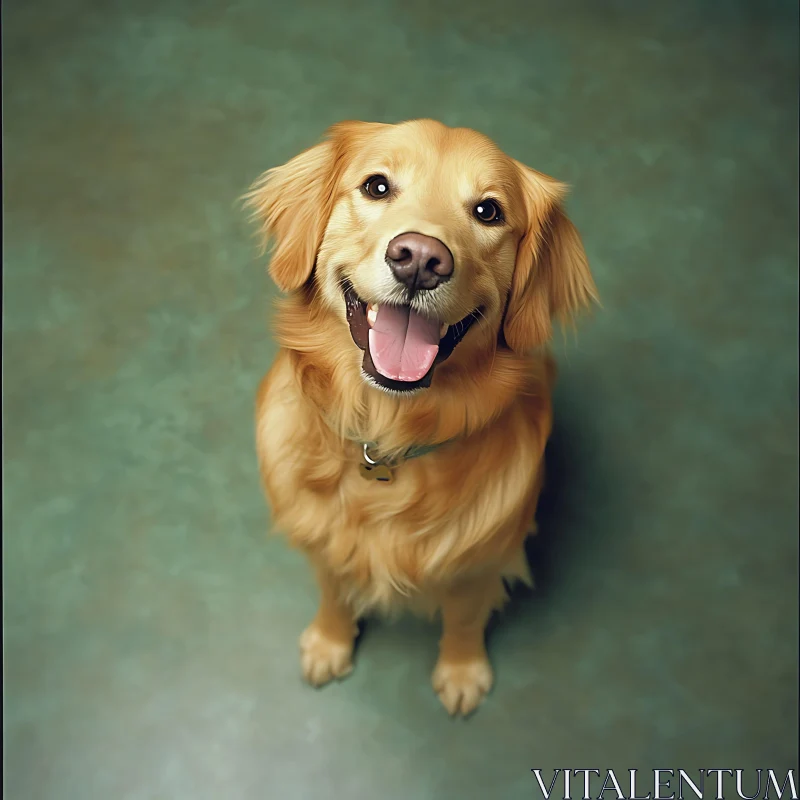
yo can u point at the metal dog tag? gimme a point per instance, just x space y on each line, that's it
376 472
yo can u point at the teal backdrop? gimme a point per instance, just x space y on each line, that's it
150 622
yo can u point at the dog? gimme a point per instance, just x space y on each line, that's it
401 429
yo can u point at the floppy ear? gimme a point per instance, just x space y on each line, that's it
292 203
551 277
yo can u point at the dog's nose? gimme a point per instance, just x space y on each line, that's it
419 262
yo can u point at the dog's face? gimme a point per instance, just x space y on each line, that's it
417 236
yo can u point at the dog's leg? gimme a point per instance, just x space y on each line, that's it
463 674
326 646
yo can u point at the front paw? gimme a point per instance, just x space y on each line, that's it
323 659
462 686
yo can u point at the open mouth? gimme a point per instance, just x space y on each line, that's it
401 346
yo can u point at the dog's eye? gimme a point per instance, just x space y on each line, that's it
488 212
376 187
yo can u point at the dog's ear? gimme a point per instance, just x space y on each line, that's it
551 276
293 203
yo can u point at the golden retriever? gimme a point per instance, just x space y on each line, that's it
401 429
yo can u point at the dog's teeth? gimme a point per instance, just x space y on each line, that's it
443 330
372 313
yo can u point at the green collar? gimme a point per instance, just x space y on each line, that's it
415 451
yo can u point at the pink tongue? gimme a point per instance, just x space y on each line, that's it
402 343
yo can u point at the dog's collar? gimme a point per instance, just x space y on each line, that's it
415 451
382 468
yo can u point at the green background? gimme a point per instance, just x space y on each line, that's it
150 623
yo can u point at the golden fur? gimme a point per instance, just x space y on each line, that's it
442 537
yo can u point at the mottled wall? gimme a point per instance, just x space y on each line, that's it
150 624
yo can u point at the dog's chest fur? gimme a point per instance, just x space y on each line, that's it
467 506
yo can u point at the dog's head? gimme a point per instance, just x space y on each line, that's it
419 236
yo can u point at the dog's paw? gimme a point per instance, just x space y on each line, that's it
461 687
323 659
